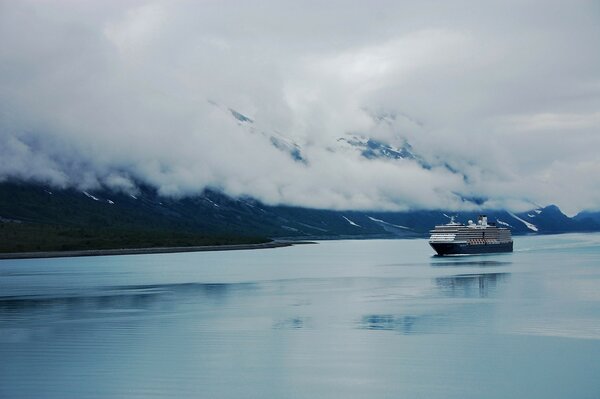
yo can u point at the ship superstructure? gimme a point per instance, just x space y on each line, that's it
473 238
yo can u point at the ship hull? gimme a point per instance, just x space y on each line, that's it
452 248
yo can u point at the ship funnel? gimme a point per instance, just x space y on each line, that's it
482 220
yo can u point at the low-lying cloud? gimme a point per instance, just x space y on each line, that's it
499 100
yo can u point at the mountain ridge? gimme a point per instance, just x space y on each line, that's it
214 214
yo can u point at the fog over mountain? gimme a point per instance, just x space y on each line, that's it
498 101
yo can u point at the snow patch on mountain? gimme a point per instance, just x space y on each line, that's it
90 196
351 222
211 202
389 224
530 226
503 223
312 227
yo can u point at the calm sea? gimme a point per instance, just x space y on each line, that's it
338 319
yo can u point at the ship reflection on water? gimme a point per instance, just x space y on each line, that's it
444 261
471 285
443 317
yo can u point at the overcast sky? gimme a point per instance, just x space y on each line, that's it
501 98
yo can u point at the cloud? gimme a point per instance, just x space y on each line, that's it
499 100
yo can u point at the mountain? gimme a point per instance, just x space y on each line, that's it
366 146
38 217
588 217
374 149
276 139
110 218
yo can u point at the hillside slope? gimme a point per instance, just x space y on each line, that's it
37 217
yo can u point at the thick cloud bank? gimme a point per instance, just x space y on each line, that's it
498 100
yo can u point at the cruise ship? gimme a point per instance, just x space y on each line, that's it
474 238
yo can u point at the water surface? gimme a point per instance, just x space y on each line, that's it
353 319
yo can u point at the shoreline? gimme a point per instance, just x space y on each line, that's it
145 251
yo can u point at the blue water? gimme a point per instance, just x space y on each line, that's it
351 319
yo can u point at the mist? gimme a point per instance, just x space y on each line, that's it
499 100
